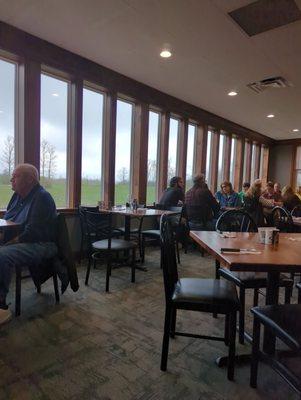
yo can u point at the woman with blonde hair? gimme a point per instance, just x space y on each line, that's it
254 202
290 199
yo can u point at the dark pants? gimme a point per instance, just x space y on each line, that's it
21 254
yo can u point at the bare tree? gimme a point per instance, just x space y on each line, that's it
51 160
170 170
8 155
123 175
44 156
151 170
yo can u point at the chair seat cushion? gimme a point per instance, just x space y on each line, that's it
205 291
152 233
116 244
284 320
134 230
252 279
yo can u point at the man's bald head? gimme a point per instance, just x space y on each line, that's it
24 178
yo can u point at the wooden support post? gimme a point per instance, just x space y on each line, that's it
109 144
248 150
182 149
239 164
200 149
163 154
214 160
74 157
139 153
227 157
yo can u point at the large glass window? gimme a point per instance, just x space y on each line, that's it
123 152
91 190
54 127
7 129
297 168
208 158
153 135
190 155
253 162
220 173
172 148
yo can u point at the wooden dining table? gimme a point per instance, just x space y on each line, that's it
281 258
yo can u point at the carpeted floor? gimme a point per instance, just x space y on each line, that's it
95 345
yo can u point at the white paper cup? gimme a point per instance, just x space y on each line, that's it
269 235
261 235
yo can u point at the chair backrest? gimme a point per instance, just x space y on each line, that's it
65 251
282 219
82 212
99 226
296 211
168 256
235 221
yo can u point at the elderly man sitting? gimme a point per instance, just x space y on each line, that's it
34 209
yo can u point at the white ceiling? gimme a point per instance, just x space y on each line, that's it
211 54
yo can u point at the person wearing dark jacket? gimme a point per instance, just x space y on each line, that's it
175 193
201 206
289 198
34 210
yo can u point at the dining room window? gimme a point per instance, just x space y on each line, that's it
297 168
232 159
190 155
208 158
172 148
54 131
92 134
220 172
7 128
124 129
152 156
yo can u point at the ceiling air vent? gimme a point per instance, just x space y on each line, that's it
275 83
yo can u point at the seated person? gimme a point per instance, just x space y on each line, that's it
201 206
298 192
269 192
245 187
289 198
254 203
34 209
277 191
173 194
226 197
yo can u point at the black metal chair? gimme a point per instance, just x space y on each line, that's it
298 286
241 221
284 322
101 243
84 230
282 219
194 294
154 234
296 211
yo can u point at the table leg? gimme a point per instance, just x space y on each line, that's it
127 236
272 295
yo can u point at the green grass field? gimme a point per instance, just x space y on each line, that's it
90 193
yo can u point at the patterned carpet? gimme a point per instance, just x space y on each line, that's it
95 345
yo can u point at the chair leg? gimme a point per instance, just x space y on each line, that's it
255 298
133 266
255 353
88 271
178 252
217 276
231 354
56 288
18 293
242 295
142 249
299 296
165 344
108 274
173 323
287 295
227 330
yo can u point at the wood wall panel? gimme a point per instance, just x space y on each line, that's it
239 164
227 157
214 160
257 161
248 165
265 165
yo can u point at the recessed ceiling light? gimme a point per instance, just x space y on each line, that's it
296 130
232 93
55 95
270 116
165 53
